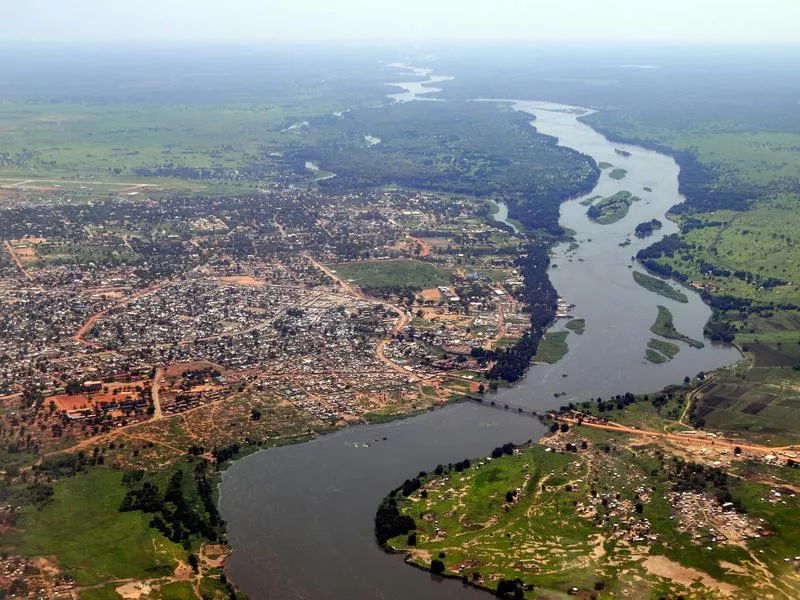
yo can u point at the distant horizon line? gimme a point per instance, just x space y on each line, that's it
345 42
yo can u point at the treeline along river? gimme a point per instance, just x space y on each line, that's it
300 518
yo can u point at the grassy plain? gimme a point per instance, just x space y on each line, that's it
618 174
92 541
561 520
659 286
762 241
87 141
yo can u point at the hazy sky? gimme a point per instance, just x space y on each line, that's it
375 20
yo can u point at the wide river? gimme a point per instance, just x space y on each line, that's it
300 518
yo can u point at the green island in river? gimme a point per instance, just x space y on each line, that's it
665 328
659 351
553 347
659 286
576 325
589 201
612 209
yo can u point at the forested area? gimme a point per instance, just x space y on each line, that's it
541 299
479 149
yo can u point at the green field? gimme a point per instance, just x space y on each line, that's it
665 328
92 541
553 347
576 325
760 404
618 174
759 243
179 590
108 592
659 286
654 412
612 209
537 516
97 147
394 274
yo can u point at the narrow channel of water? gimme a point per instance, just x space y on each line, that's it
501 216
417 90
300 517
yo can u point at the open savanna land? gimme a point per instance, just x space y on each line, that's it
106 532
599 513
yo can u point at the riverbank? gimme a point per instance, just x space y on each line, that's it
597 508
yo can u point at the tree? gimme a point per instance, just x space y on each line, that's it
193 562
564 428
437 566
737 451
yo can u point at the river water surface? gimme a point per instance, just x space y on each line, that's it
300 517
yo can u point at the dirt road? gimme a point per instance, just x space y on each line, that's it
691 439
84 329
17 261
154 393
